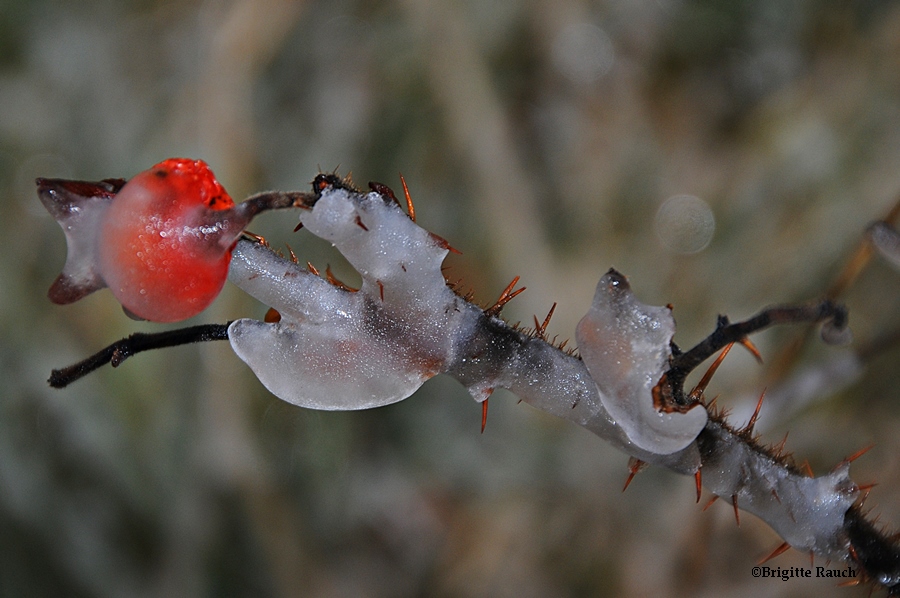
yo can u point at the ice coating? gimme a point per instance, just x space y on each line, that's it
625 345
337 350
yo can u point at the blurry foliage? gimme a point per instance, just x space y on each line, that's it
179 475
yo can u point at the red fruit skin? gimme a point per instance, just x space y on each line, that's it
161 249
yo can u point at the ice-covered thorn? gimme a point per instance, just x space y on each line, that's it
808 469
854 456
272 316
333 280
540 329
380 290
737 513
384 191
711 501
443 244
748 344
409 203
505 297
635 466
698 481
886 240
782 548
312 269
748 429
360 224
775 496
484 411
293 255
697 393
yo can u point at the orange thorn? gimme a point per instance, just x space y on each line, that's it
698 480
333 280
849 583
258 238
704 381
312 268
505 297
711 501
782 548
443 244
484 409
748 429
737 514
561 346
752 348
853 553
856 455
864 492
298 227
272 316
293 255
360 224
409 203
808 468
540 329
635 466
778 448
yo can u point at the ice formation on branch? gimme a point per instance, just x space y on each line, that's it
337 348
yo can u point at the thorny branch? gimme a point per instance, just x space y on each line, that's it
820 515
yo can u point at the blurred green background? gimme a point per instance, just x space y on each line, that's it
540 138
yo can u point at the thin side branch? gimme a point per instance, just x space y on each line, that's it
121 350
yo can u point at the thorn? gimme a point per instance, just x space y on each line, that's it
380 290
635 466
778 448
864 492
701 386
562 345
748 429
782 548
737 514
333 280
808 468
698 480
258 238
540 329
409 204
360 224
752 348
505 297
272 316
812 558
484 410
849 583
443 244
298 227
854 456
853 553
293 255
711 501
312 269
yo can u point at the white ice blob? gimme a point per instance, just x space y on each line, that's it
625 346
339 350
